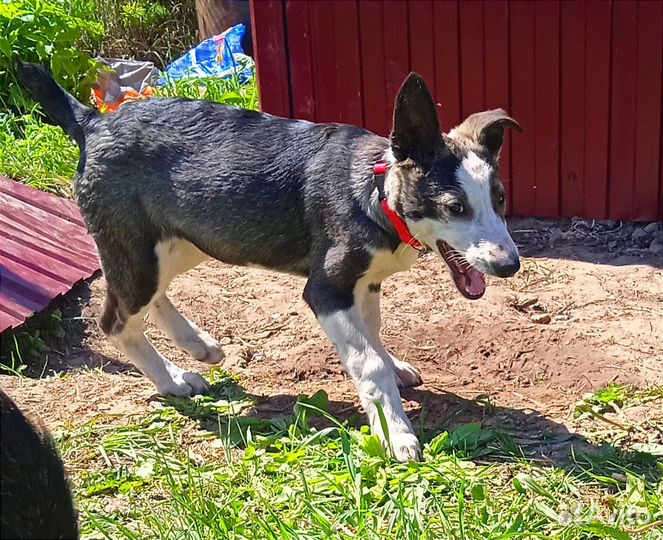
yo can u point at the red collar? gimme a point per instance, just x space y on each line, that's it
379 171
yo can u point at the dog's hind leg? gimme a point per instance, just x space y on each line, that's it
125 330
134 282
176 256
369 303
186 335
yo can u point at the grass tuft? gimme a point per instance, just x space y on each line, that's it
40 155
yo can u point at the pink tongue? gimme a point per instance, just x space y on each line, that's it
473 282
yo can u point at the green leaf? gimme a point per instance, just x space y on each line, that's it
603 531
478 492
374 447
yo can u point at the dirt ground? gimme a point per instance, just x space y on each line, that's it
579 315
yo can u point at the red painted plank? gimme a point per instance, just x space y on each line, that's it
472 56
323 44
572 172
269 46
395 47
523 167
447 63
377 112
420 28
348 67
623 109
585 85
546 73
301 63
15 306
8 320
648 153
496 50
597 109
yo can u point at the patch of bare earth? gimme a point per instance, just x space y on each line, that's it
534 344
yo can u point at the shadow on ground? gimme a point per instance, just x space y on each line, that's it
614 243
503 434
55 340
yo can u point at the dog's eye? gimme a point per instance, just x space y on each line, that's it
500 200
455 208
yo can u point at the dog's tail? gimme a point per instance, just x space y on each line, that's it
61 107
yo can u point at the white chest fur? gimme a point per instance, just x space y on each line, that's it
385 263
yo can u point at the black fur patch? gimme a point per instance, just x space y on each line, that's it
35 498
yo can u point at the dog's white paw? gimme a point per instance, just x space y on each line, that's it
408 376
405 447
203 347
183 383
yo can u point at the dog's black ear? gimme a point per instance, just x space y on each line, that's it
416 134
487 129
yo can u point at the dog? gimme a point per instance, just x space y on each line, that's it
164 184
34 493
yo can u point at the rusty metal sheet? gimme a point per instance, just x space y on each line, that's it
44 250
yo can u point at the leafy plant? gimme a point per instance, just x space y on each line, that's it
155 477
143 14
604 400
40 155
46 32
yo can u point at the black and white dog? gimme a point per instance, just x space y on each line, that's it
165 184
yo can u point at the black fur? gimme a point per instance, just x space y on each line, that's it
216 176
34 494
62 108
416 134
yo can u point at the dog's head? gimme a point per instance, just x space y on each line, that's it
447 187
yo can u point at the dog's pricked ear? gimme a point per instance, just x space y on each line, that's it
487 129
416 134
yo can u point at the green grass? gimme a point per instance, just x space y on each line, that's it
194 468
228 91
38 154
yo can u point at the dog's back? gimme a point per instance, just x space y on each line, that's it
210 174
34 494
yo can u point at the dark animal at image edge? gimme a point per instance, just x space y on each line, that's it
35 498
164 184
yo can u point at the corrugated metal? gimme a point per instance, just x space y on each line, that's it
44 250
583 78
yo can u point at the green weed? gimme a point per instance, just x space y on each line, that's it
161 477
38 154
26 346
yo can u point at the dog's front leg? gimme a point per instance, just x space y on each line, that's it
369 304
368 364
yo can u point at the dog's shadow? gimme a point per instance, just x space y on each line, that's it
508 434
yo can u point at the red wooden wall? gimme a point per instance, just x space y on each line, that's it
583 78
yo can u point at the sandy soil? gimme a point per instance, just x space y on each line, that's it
605 324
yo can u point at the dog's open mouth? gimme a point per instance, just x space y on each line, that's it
469 281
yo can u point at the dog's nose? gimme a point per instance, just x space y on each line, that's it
507 268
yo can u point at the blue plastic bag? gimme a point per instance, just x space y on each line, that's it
219 56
